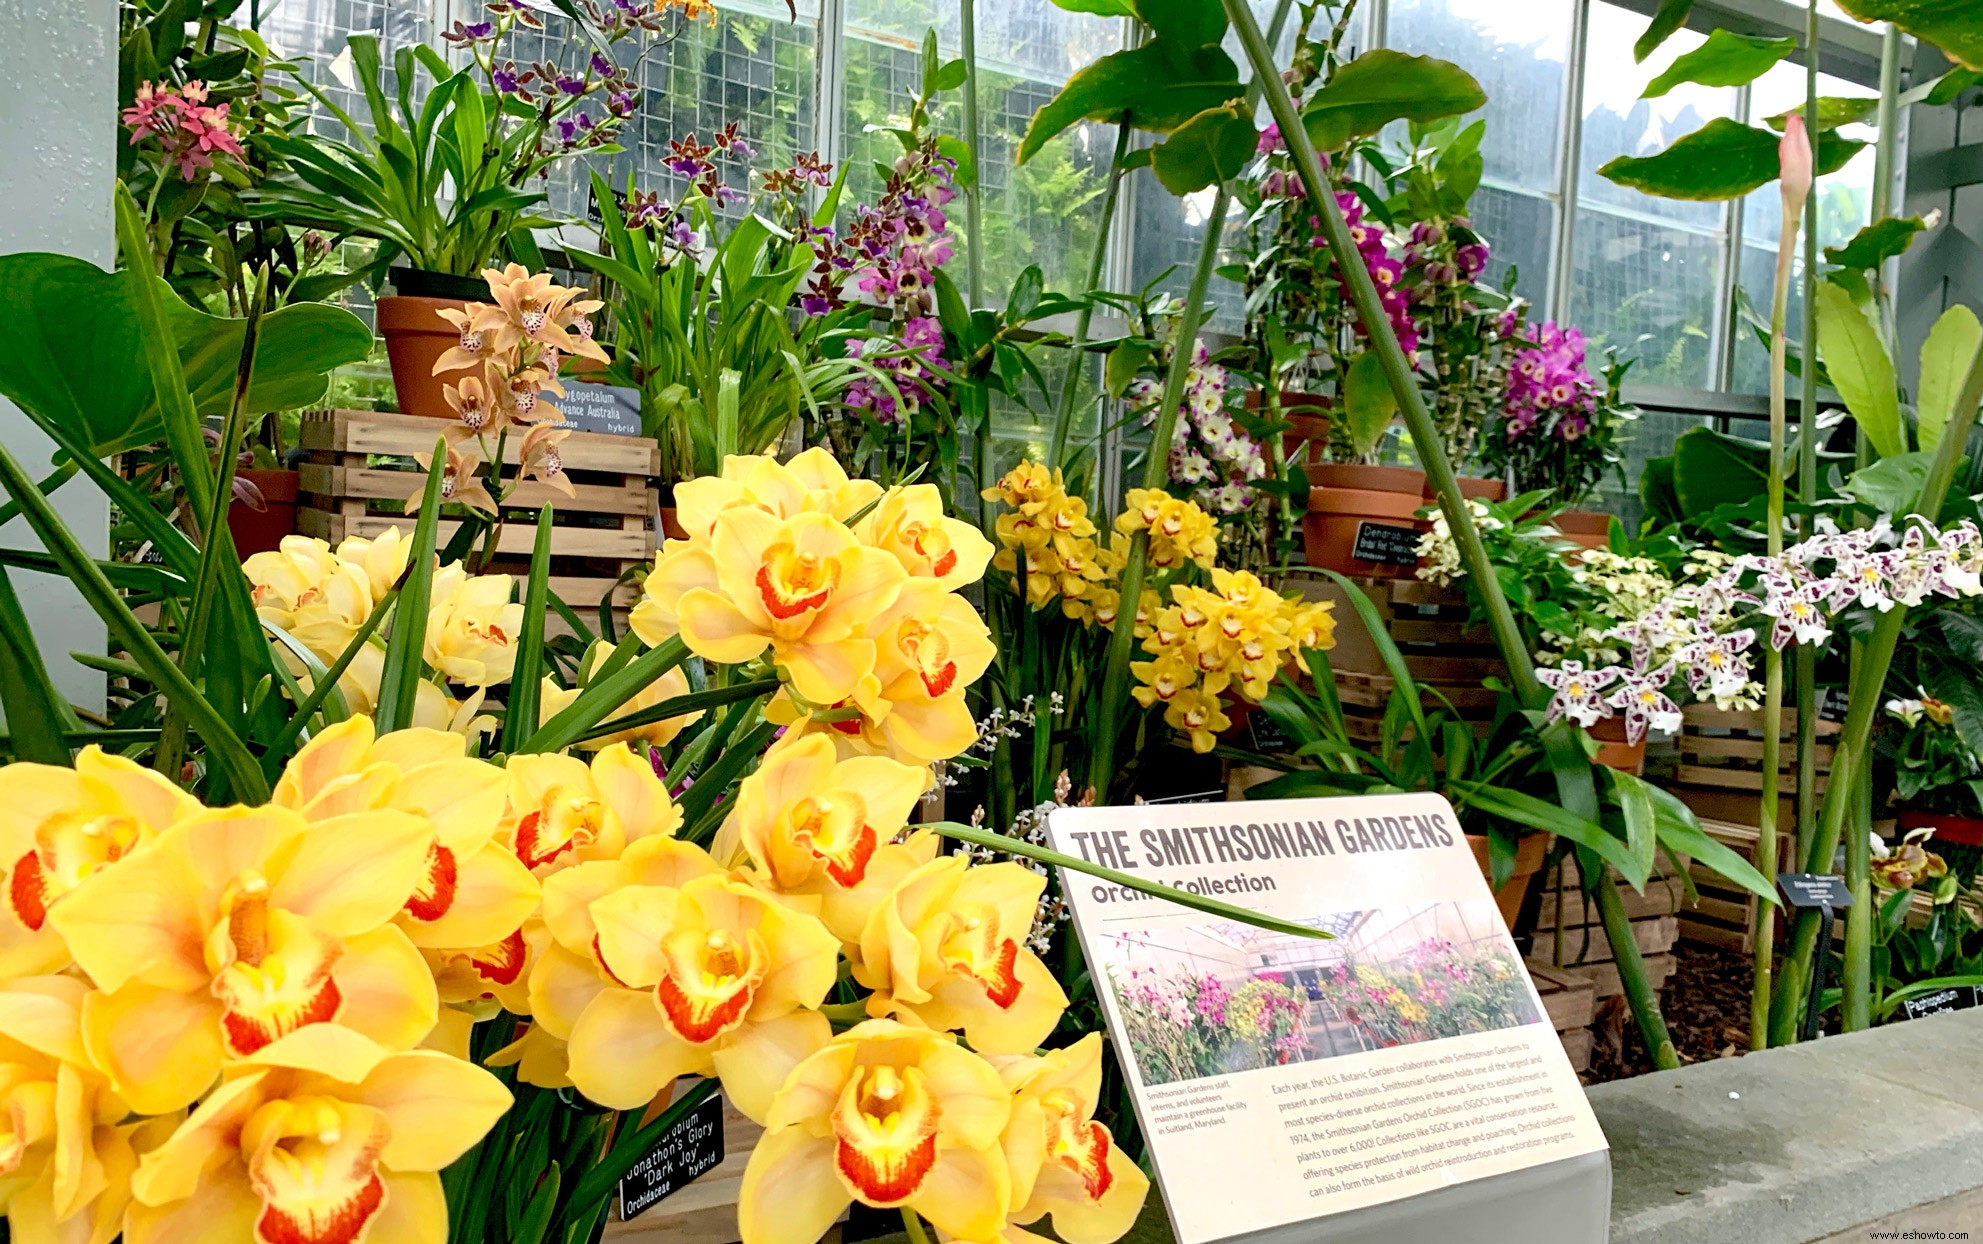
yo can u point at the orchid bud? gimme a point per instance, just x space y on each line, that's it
1794 153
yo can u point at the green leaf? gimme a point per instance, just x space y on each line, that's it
1723 159
1157 87
1183 898
1726 59
1681 833
1211 148
1876 243
603 696
1525 809
1194 23
1954 26
1943 90
1951 347
399 680
520 714
952 75
1369 402
1635 801
1125 362
1833 111
38 717
1100 8
1405 688
1672 15
1860 369
1385 85
1025 295
1893 484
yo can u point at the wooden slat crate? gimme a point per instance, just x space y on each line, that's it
1720 774
1570 936
359 471
1428 623
1604 976
1725 915
1569 1001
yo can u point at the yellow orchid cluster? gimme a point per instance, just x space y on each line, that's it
849 591
1234 637
1051 529
320 596
1180 531
511 349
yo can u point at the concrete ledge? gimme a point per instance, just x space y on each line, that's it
1881 1130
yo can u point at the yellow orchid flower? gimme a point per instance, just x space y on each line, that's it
473 627
553 699
479 979
716 977
238 926
812 482
804 587
66 1154
383 558
324 1137
1064 1163
887 1115
62 827
473 891
910 525
948 948
311 593
813 824
1199 714
564 811
1179 530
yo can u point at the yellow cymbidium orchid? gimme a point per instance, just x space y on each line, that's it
63 826
312 593
473 627
888 1115
66 1154
803 587
564 812
1064 1163
553 699
323 1137
910 525
238 926
714 977
812 482
948 947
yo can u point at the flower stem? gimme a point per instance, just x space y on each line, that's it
1077 345
911 1222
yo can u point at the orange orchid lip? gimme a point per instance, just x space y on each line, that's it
434 896
885 1129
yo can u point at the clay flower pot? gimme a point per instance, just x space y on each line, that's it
1530 853
1474 488
1613 751
261 531
1964 830
416 335
1368 510
1585 528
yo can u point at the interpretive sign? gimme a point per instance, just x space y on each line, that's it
1280 1078
686 1151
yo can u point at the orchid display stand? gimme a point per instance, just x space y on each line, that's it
359 471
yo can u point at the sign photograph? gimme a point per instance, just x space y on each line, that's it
1281 1078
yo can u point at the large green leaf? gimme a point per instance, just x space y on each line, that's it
1672 15
1876 243
1726 59
1723 159
37 717
1945 358
1211 148
1955 26
1100 8
1369 402
75 357
1833 111
1158 87
1192 22
1860 369
1385 85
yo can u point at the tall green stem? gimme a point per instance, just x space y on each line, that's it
1631 967
1863 699
1397 368
1806 657
1156 471
1077 345
974 215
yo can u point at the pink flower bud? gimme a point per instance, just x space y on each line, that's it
1794 153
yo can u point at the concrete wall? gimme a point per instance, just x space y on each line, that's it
58 130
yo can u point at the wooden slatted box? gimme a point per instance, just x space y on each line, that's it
1720 774
359 471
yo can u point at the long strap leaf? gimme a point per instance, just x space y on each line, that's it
399 682
520 717
37 717
602 696
230 754
175 403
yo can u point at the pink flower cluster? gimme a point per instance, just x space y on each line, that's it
189 129
908 362
1211 1001
1387 272
1548 382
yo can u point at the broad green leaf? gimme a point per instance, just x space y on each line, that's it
1833 111
1860 369
1025 295
1680 832
1194 23
1945 89
1945 360
1672 15
1641 823
38 718
1893 484
1211 148
1726 59
1724 159
1954 26
1158 86
1369 402
1527 810
1876 243
1385 85
1100 8
1712 469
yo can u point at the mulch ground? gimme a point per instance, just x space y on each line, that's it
1706 1004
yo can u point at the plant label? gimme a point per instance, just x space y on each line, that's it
1386 545
1814 890
610 409
691 1148
1942 1001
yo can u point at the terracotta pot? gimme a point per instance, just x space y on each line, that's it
671 524
1530 852
1613 751
416 337
1476 489
1336 521
1585 528
1407 480
1964 830
261 531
